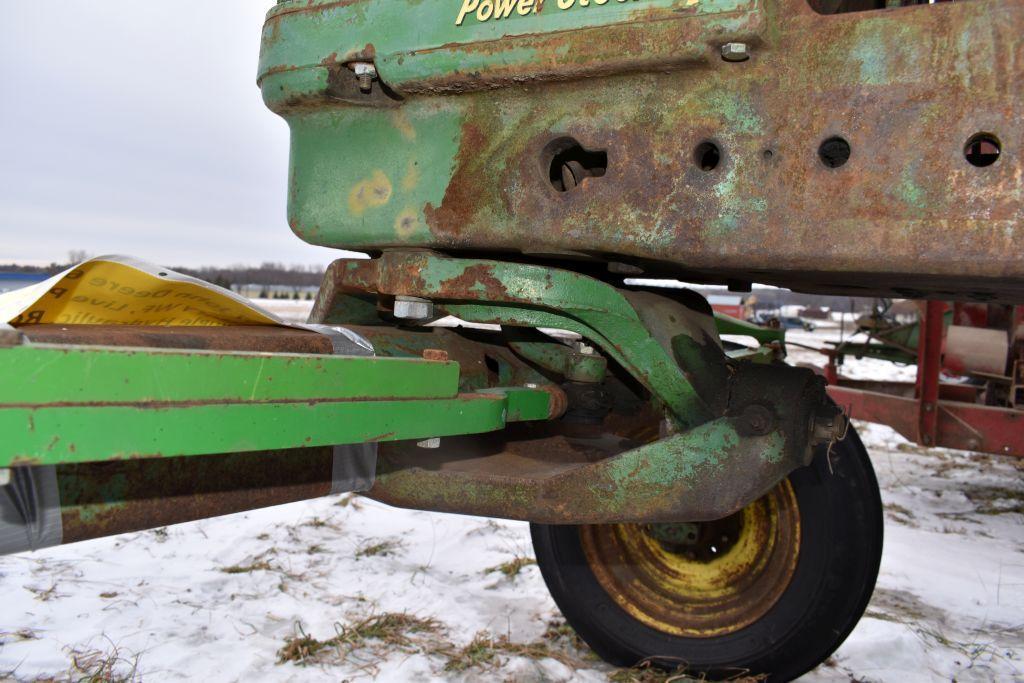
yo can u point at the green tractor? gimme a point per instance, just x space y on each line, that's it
512 167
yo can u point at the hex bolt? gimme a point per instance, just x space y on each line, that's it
9 336
735 52
413 308
366 73
5 476
430 443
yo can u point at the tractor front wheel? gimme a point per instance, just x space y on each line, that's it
773 589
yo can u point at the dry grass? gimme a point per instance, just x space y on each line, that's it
645 672
512 568
373 547
379 634
995 500
20 635
900 514
254 566
90 665
99 666
45 594
486 652
349 500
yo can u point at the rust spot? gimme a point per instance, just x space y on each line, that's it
435 354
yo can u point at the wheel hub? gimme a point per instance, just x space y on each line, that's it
700 580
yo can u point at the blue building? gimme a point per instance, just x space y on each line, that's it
9 281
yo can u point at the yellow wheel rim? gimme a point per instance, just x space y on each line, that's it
700 580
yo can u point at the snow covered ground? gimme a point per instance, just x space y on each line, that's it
400 595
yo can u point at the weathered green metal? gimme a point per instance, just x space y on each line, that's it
482 291
81 404
118 496
454 147
705 473
563 360
417 45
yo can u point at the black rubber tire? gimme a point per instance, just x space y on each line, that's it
841 547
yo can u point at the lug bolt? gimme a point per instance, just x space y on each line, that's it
735 52
430 443
5 476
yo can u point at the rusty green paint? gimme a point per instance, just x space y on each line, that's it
484 291
418 43
473 113
705 473
563 360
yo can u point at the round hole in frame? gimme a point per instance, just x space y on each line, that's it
982 149
707 156
834 152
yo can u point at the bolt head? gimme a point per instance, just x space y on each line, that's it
735 52
430 443
413 308
584 349
365 69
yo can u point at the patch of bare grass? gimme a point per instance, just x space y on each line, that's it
487 652
93 665
995 500
512 568
254 566
45 594
376 635
647 672
379 547
22 634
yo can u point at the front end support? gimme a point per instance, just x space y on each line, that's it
684 433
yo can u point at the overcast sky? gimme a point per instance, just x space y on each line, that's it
136 127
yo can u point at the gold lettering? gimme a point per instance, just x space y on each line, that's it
468 6
485 10
503 8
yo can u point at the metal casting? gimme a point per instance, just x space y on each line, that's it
862 152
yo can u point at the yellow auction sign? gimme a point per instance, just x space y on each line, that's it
116 290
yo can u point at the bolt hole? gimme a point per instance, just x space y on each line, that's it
767 155
707 156
834 152
982 150
568 163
